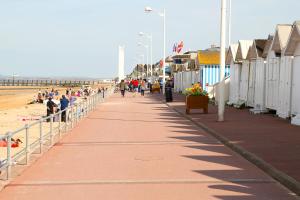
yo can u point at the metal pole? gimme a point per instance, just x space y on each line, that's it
59 124
151 53
51 129
41 135
221 103
27 144
164 54
9 160
229 23
71 115
147 49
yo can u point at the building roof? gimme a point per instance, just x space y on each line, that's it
293 40
257 49
268 46
243 49
281 37
231 55
209 57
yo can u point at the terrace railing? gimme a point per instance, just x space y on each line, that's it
48 131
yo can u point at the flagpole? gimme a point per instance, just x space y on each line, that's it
221 103
164 54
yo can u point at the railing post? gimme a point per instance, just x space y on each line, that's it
71 115
67 119
27 144
41 135
90 104
9 160
51 129
76 114
59 124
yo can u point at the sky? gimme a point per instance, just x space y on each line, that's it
79 38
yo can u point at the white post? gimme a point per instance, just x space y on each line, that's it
164 54
151 52
121 63
147 49
27 144
229 23
221 103
9 160
41 135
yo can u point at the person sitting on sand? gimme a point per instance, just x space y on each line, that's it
14 143
40 98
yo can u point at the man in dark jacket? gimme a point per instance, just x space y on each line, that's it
64 103
50 107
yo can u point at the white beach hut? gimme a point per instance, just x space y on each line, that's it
241 56
186 70
273 69
293 49
235 74
257 71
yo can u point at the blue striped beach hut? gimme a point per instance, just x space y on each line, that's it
209 62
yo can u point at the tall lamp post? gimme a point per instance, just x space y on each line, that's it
143 63
147 56
149 36
163 14
221 104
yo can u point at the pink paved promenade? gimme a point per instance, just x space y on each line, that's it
137 148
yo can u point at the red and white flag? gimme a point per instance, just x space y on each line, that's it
180 47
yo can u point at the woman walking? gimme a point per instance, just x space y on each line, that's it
143 87
122 88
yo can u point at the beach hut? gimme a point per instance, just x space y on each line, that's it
256 83
241 56
209 65
185 68
273 69
293 49
235 74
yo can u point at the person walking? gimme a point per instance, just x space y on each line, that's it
122 88
64 103
143 87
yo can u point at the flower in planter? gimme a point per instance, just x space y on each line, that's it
196 90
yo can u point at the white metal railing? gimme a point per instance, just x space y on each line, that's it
48 129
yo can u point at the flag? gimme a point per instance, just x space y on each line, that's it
175 47
161 63
180 47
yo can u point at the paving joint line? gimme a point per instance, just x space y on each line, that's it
127 182
136 143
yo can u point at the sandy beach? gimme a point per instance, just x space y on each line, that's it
16 112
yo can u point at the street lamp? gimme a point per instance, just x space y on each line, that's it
221 104
143 63
163 14
149 36
147 51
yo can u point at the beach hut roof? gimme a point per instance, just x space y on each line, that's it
268 46
243 49
257 49
293 40
281 37
209 57
231 55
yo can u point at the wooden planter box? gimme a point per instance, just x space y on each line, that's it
196 102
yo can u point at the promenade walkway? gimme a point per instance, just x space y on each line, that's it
138 148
